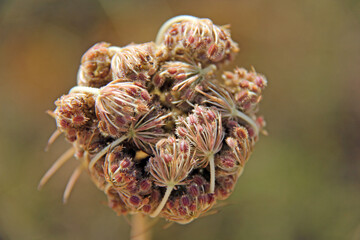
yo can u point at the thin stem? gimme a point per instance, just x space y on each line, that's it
212 173
105 150
82 89
139 228
52 139
240 171
168 23
51 114
57 164
163 201
72 180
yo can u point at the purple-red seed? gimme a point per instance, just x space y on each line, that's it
145 185
193 191
135 200
125 163
146 208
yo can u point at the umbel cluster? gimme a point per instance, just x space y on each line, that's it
160 127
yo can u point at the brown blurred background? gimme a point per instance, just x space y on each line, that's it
302 181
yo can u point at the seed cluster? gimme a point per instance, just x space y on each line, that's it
160 127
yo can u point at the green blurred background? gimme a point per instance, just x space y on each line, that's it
302 181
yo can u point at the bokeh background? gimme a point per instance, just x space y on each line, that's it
302 181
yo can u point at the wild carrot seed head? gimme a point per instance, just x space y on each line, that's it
201 40
74 114
246 87
118 104
192 204
160 132
203 129
136 62
172 162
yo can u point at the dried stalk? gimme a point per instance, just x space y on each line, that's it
139 227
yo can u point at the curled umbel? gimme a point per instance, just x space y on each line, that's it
160 127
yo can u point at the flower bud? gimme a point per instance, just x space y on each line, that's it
95 69
200 39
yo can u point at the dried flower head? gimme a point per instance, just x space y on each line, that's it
95 69
222 99
158 131
135 61
170 166
73 111
118 104
200 40
233 157
246 87
144 132
203 129
190 205
120 171
183 78
74 115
